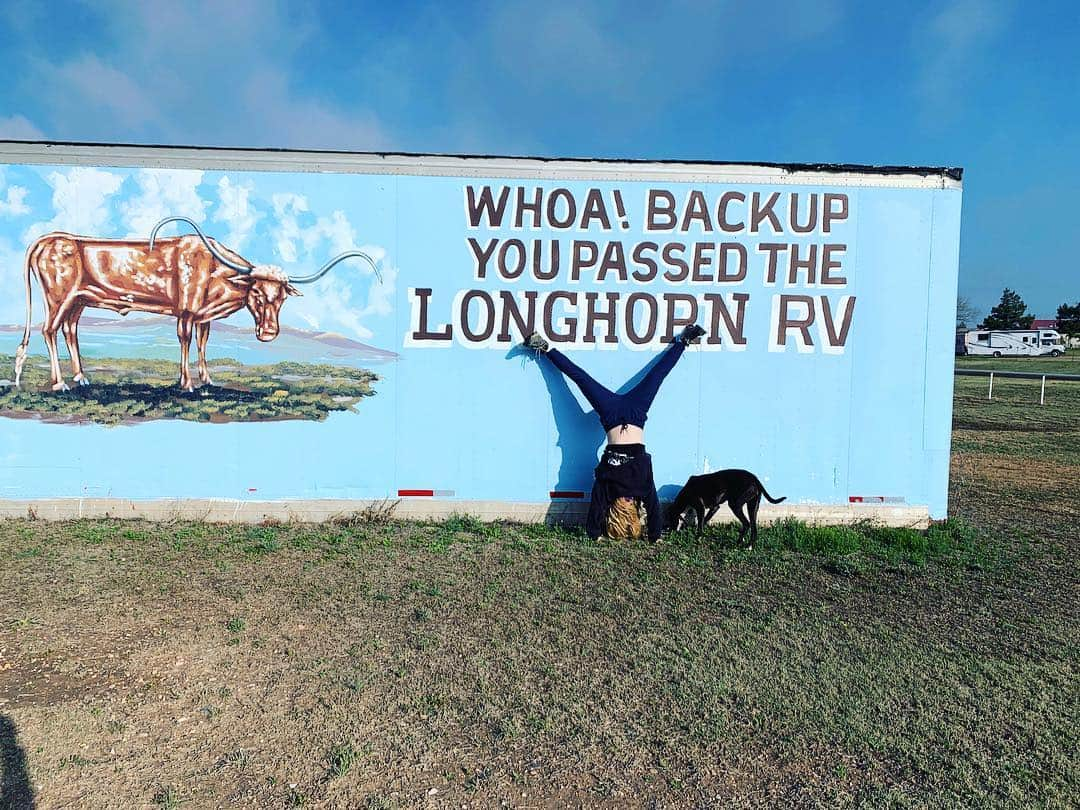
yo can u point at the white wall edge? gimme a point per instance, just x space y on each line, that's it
172 157
313 511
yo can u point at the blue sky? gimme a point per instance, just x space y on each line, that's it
990 85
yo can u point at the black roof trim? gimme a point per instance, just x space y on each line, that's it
953 172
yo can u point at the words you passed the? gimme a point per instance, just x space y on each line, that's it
695 238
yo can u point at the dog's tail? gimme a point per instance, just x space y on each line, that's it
769 497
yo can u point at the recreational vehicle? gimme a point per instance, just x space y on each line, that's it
1014 342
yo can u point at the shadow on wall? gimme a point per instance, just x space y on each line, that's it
15 790
580 438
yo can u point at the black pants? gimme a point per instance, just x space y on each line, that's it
614 409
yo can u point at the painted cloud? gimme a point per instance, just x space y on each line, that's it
273 228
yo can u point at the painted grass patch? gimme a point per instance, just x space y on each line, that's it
128 391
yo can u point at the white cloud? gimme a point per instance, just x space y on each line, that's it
236 210
89 201
608 67
282 118
199 73
333 302
247 73
966 24
328 305
13 202
80 200
951 47
557 42
334 229
163 193
287 210
19 128
104 88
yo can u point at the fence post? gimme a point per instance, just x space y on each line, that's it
1042 393
990 393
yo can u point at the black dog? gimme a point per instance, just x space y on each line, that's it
705 493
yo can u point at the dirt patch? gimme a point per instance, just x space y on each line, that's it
37 681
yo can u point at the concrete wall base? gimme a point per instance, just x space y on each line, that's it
314 511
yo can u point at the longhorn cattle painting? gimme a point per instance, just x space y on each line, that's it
124 267
192 278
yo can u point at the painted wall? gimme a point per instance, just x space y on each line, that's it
856 405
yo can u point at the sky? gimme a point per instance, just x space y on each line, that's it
988 85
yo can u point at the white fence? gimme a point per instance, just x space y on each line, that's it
1024 375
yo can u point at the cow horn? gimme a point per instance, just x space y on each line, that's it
322 271
239 268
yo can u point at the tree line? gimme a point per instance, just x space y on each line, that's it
1011 313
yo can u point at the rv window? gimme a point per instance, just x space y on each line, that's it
983 336
1048 343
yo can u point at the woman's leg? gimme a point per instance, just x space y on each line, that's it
642 395
597 395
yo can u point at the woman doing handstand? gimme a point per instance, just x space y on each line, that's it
624 479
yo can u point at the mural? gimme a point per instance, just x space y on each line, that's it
351 328
196 280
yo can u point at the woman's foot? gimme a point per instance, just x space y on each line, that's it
691 335
536 342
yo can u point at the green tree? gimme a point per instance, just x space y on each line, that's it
965 313
1010 313
1068 318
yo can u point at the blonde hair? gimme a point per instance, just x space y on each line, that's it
626 519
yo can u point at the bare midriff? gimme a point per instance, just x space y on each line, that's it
630 434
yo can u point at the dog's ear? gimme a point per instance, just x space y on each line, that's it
676 518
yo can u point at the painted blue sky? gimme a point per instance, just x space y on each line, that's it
292 221
990 85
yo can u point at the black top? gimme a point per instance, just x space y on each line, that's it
624 471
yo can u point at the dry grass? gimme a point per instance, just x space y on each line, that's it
374 663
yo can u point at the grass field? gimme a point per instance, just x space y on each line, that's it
128 391
378 664
1066 364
